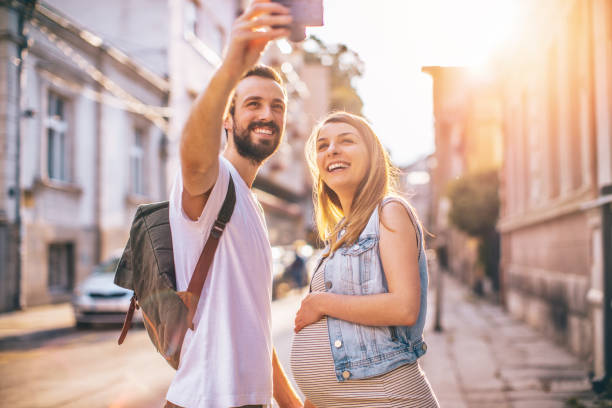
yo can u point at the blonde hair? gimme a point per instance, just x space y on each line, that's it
378 182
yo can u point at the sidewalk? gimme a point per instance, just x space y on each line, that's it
483 359
34 321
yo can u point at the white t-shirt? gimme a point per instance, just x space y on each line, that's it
227 360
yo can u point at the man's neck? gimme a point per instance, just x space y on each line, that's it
245 167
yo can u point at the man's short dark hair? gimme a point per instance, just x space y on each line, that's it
262 71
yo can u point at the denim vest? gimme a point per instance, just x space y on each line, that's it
366 351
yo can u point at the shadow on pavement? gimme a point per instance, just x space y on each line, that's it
38 339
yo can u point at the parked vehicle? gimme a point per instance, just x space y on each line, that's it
290 267
98 300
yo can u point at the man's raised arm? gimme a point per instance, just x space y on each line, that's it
200 140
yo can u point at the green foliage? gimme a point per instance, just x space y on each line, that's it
574 403
345 65
605 399
345 98
475 203
474 210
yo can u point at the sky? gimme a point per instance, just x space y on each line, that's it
395 38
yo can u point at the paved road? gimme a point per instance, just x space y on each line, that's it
72 368
483 359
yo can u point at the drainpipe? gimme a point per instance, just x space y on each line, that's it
607 304
97 255
601 107
24 9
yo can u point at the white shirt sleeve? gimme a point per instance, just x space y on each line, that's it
213 204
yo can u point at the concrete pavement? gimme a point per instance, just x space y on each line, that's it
483 359
36 321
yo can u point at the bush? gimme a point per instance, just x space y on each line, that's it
475 210
475 203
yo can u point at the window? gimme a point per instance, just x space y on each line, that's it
554 142
137 163
575 48
57 138
190 27
61 267
532 148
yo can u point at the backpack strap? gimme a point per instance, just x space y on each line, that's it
206 257
127 323
196 284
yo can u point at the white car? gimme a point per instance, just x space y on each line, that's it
98 300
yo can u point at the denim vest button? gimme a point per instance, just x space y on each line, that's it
424 347
338 343
328 285
346 375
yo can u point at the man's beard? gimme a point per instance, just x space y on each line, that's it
256 152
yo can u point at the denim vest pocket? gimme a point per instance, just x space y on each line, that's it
358 259
363 244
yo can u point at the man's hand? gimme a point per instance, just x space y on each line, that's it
251 33
200 140
284 394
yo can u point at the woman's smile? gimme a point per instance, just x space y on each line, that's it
337 166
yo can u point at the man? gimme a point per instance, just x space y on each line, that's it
228 360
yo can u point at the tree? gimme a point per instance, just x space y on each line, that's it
475 211
475 203
345 64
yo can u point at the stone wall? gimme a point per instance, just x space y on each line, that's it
548 277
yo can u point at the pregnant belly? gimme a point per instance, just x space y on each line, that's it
311 360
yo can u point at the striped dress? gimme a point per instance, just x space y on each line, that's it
312 366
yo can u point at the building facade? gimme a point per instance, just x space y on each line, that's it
91 129
97 137
468 140
557 178
180 40
415 184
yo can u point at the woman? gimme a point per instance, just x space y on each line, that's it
359 331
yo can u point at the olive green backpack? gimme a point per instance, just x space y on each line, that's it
147 268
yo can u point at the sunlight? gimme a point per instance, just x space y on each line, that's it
397 38
466 33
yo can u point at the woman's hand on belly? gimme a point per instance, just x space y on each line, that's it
310 311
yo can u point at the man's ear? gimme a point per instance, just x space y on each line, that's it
228 123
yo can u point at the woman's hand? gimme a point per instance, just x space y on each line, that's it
310 311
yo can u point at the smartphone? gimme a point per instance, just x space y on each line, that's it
305 13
